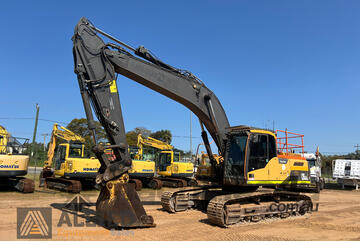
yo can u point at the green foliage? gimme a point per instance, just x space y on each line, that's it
40 155
163 135
131 136
80 127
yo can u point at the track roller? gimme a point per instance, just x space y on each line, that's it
63 184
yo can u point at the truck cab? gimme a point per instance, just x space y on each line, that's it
314 163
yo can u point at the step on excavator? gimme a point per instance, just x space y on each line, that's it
14 162
71 169
250 155
170 170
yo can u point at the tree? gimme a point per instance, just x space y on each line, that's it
163 135
80 127
40 155
131 136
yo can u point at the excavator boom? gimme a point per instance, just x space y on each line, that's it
97 63
152 142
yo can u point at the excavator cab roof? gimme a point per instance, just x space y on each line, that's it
243 128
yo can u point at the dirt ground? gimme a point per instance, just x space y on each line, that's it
338 218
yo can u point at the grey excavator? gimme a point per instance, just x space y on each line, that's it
250 157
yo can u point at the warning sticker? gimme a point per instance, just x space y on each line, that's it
113 88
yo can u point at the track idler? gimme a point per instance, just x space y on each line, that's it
25 185
119 205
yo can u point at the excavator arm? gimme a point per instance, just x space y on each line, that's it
97 65
152 142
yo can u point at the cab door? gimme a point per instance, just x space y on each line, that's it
234 162
262 149
164 161
60 156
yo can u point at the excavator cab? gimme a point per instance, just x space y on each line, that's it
67 150
166 158
76 150
252 159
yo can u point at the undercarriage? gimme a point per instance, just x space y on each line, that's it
226 208
20 184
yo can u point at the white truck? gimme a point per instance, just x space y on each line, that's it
346 172
314 162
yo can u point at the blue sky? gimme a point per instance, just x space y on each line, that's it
292 62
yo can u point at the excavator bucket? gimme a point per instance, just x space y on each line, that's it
119 205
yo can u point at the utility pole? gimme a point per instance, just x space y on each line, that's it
273 125
190 137
45 135
34 136
357 148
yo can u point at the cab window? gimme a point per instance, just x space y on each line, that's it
60 156
176 156
272 147
262 149
75 150
235 156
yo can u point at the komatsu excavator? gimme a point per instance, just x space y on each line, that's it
142 172
171 172
14 163
72 169
250 154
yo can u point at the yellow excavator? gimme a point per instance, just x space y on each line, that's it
142 166
71 169
251 160
14 163
169 168
204 170
142 172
